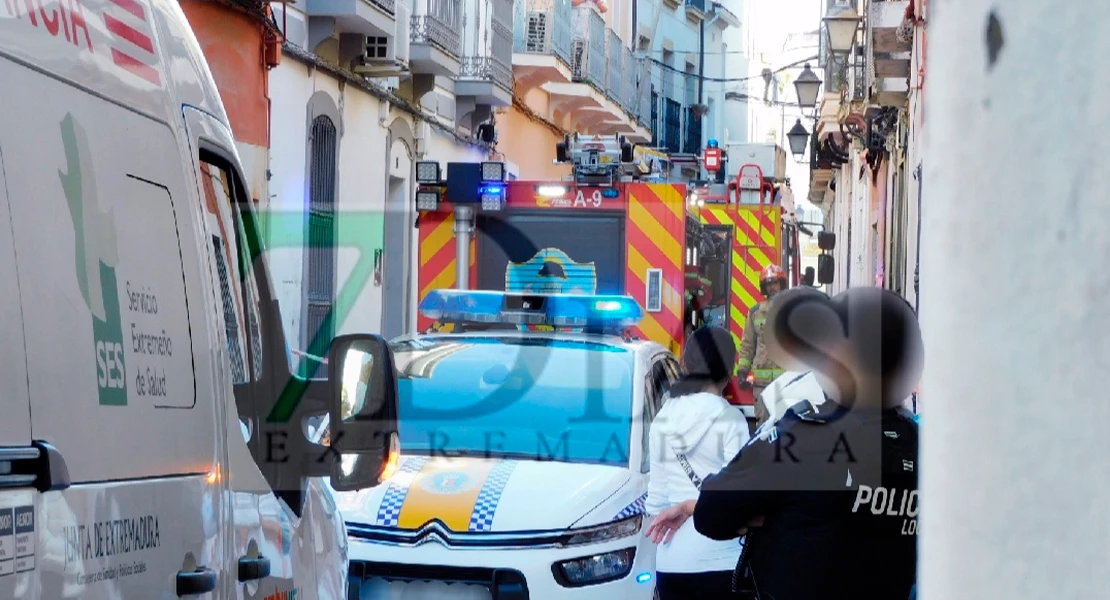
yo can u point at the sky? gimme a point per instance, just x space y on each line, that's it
772 22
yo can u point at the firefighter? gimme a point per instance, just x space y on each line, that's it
754 359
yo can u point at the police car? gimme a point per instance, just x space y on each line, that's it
523 455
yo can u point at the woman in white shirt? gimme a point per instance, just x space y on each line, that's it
695 434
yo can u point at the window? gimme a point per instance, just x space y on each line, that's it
658 381
239 292
320 277
568 401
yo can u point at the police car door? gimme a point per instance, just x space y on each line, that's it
15 425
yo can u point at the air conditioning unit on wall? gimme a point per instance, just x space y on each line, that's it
389 52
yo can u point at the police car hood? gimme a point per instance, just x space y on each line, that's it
470 494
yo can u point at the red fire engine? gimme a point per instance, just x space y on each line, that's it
689 257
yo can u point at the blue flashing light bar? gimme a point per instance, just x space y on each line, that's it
610 313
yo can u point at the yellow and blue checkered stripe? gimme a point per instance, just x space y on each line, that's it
390 508
633 509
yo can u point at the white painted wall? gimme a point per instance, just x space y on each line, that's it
364 185
914 159
1014 313
361 179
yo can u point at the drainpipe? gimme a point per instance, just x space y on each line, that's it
701 59
701 63
635 37
464 226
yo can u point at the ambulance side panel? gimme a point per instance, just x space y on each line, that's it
119 352
15 422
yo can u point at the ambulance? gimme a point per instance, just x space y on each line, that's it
151 434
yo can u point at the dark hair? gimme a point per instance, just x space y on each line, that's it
710 359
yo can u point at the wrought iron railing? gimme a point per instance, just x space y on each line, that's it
487 68
502 53
589 59
860 80
672 125
386 5
440 27
613 66
630 96
647 103
544 27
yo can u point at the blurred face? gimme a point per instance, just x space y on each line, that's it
773 288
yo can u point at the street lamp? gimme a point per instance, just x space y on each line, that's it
842 30
807 85
798 138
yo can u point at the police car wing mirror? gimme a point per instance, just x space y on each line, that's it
362 411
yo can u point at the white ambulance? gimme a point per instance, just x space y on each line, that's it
151 438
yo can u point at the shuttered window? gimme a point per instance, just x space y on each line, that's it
320 252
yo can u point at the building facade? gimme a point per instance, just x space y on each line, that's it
866 150
684 45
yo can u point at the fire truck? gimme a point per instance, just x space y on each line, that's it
691 255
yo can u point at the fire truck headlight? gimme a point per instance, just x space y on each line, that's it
552 191
492 201
427 171
427 200
493 172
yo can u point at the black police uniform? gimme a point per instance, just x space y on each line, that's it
838 492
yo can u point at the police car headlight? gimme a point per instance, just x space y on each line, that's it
599 568
609 531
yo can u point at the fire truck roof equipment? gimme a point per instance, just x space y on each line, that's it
597 160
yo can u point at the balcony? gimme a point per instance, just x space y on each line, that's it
542 42
589 74
363 17
891 39
695 9
486 81
436 44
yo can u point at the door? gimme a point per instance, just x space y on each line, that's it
112 300
270 545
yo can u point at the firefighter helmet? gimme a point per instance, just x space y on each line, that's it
772 274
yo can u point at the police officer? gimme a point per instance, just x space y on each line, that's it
754 358
829 493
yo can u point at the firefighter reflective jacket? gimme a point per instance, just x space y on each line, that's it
753 348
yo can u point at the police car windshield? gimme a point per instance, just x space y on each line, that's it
520 397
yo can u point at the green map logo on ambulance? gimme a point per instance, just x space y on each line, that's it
95 259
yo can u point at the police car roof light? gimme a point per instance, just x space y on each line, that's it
605 312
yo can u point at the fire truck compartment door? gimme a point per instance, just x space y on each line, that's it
549 253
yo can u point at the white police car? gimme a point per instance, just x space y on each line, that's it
523 468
